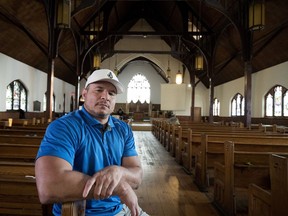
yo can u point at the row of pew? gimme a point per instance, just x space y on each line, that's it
226 162
11 122
18 191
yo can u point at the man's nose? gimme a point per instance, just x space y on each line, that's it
105 94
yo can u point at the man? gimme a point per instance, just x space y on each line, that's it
88 154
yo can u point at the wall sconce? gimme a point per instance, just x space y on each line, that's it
199 62
96 61
257 15
179 77
64 13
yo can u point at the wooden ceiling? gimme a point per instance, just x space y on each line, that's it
28 34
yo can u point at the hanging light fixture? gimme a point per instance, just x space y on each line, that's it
190 26
96 61
63 13
256 15
116 71
168 70
179 77
199 62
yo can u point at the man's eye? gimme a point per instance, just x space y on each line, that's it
112 93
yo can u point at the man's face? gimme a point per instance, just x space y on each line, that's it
100 99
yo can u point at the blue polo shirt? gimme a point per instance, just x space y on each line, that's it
79 139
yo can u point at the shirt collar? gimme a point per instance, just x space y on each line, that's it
92 121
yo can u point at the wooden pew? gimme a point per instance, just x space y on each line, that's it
18 194
167 135
274 201
18 152
30 132
4 124
163 131
184 138
259 201
212 150
20 139
76 208
279 184
30 127
190 153
240 169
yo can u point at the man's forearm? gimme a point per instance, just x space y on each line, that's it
133 176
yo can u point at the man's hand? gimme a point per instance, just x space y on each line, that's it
105 182
128 197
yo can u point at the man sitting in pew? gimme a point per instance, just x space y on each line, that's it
88 154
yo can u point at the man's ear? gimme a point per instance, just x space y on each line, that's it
84 93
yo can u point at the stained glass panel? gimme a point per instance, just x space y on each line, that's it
138 89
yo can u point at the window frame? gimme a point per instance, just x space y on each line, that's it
22 88
241 105
271 95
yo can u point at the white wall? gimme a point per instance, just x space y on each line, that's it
35 82
262 82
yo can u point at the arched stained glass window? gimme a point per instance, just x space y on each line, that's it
285 104
269 105
216 107
276 102
238 105
16 96
243 106
138 89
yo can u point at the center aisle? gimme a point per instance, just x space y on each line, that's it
166 189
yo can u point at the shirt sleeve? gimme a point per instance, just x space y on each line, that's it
58 141
129 149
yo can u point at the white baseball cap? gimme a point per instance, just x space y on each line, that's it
107 76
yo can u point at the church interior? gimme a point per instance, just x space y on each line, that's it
206 96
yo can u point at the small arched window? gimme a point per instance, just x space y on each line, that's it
45 102
238 105
276 102
216 107
138 89
16 96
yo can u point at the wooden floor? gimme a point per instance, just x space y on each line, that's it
166 189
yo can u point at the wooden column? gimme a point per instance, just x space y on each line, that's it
248 85
50 85
247 56
211 99
193 86
51 58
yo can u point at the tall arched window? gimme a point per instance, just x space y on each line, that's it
216 107
276 102
138 89
237 105
45 102
16 96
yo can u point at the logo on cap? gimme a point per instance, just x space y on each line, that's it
110 75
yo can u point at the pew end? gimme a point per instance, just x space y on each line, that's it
279 183
76 208
259 201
